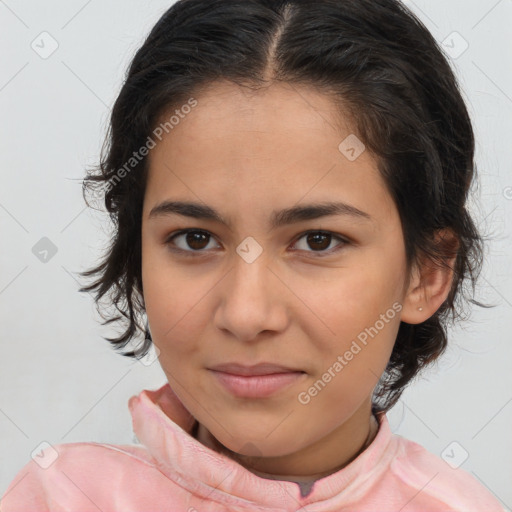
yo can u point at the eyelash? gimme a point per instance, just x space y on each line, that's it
199 253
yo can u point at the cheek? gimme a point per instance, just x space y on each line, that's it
353 296
172 302
357 313
351 363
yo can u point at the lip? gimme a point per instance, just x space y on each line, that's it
256 386
254 370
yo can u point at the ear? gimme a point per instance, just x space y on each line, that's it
430 284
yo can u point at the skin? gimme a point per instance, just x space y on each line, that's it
246 155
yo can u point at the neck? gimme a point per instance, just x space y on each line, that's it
372 432
310 463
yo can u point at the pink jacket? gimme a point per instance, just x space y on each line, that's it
172 471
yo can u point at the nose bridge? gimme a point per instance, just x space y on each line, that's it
250 280
250 266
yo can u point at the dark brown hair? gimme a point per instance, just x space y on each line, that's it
378 61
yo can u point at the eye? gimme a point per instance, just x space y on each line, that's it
193 242
321 240
190 238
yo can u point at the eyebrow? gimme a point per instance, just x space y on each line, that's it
278 218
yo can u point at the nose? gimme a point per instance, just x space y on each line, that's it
252 300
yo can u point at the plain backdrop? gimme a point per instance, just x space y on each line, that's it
61 382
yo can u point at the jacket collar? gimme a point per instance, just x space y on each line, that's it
163 424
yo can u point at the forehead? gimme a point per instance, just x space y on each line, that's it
249 149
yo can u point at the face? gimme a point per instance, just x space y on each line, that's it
266 287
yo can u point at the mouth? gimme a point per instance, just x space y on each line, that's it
258 381
254 370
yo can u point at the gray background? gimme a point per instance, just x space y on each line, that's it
61 382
